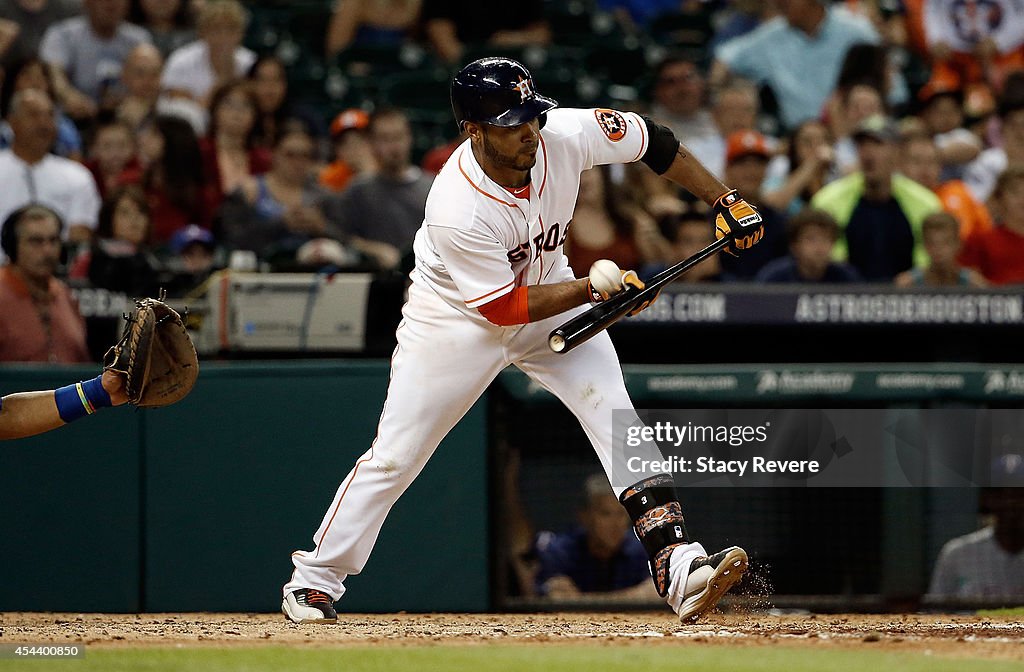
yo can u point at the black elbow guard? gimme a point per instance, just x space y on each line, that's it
662 148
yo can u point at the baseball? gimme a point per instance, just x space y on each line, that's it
605 276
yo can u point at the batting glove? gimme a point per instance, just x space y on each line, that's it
738 220
628 279
644 304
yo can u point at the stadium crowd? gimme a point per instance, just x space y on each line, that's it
883 140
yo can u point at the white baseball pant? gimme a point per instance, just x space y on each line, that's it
443 363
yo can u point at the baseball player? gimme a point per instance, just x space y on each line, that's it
28 413
490 282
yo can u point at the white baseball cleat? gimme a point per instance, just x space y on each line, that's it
307 605
698 581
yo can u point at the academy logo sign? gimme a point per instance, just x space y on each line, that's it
1004 382
693 383
813 382
919 381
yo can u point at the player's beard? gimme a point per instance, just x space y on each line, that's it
521 161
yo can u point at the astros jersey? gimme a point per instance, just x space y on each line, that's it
478 242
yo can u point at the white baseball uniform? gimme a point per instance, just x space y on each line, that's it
477 243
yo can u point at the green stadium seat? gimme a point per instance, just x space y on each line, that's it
569 20
306 81
532 57
364 61
569 87
579 23
431 127
624 62
419 89
307 27
690 31
343 91
266 28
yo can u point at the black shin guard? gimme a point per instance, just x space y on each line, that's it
658 522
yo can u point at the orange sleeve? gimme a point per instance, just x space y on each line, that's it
914 21
508 309
982 218
958 201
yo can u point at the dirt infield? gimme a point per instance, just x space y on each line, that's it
956 636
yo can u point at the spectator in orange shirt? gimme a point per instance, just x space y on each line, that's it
921 163
352 152
999 252
968 43
968 47
41 322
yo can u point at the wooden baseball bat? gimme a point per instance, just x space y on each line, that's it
585 325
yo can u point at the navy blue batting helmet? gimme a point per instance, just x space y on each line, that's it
497 91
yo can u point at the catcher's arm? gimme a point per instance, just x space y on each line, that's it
29 413
113 383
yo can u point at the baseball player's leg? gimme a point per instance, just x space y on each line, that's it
438 372
588 380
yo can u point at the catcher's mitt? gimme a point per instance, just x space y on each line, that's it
155 354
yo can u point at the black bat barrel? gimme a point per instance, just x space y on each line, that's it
587 324
584 326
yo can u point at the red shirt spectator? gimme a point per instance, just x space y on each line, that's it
172 178
26 337
112 153
999 253
230 154
257 158
602 228
434 160
41 322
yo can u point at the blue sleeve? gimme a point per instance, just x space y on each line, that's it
553 556
776 270
850 274
745 55
69 141
867 32
639 567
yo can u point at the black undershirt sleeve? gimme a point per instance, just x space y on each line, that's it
662 148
